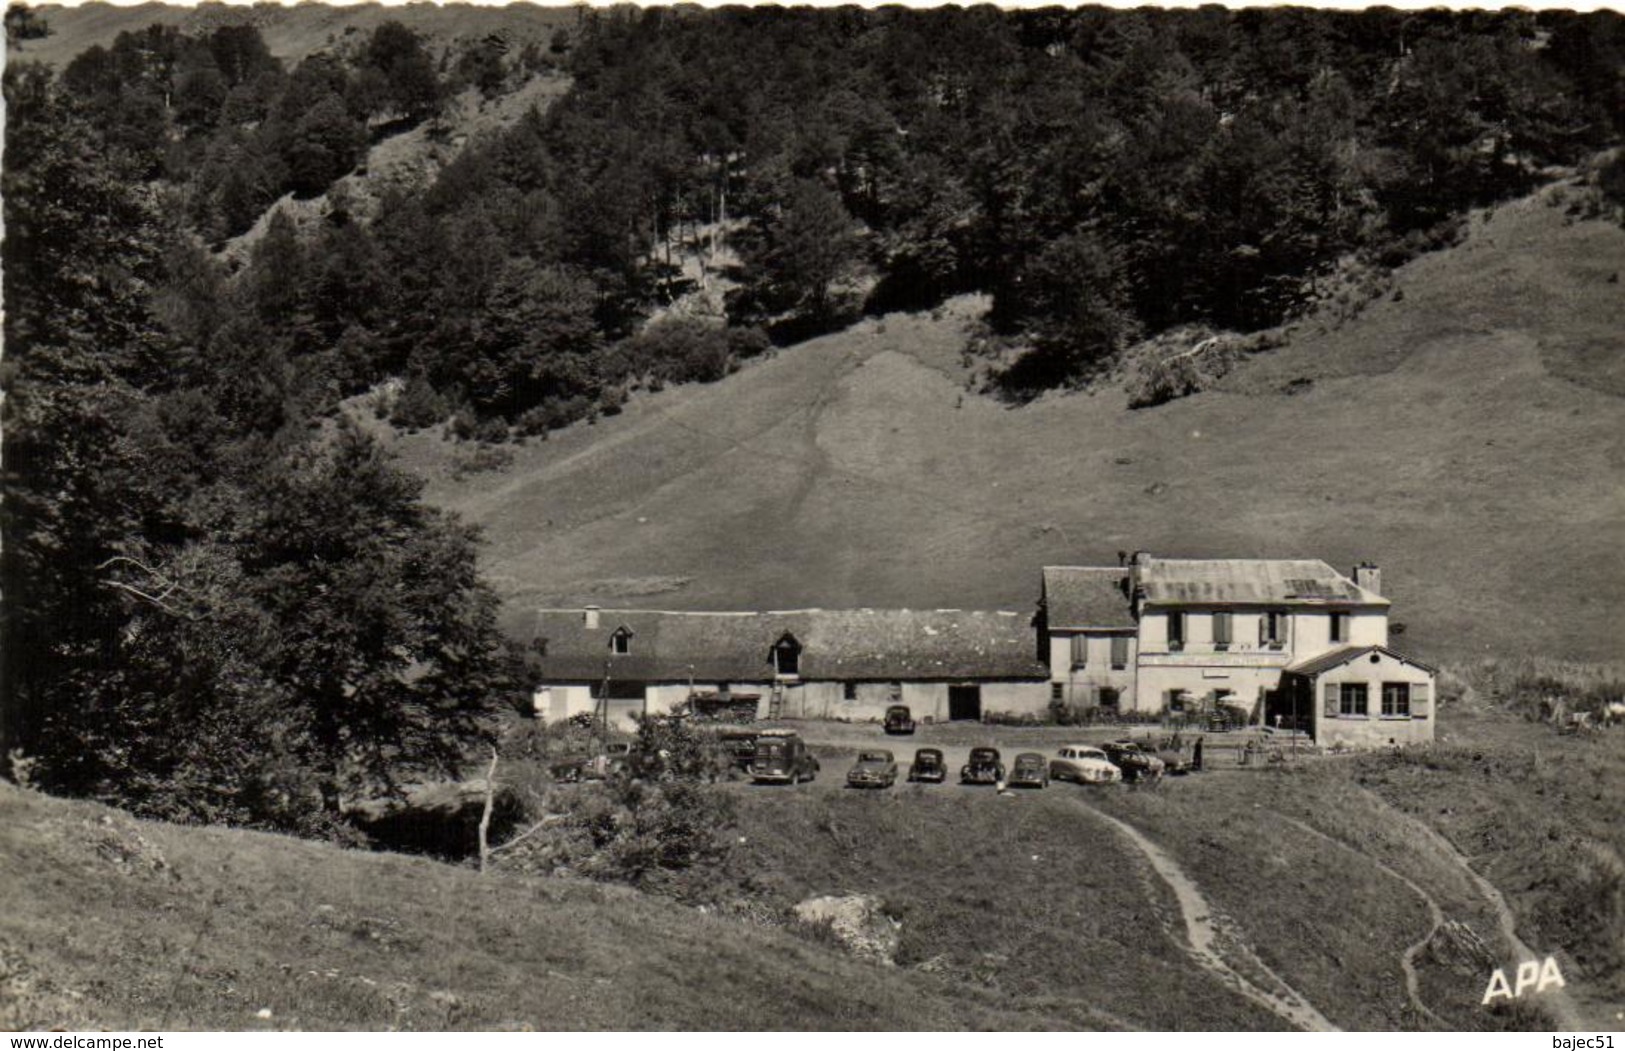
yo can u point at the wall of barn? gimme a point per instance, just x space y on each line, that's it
1373 730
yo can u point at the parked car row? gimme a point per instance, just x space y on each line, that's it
1079 763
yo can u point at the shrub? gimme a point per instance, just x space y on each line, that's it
418 405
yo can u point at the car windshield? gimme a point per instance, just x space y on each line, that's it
929 755
1088 753
983 755
874 757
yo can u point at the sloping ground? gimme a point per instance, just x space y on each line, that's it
114 923
1442 437
291 31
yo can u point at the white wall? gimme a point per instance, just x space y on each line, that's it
1081 686
1374 729
1245 679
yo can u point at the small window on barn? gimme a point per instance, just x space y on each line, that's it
1176 631
621 641
1340 627
849 691
1223 630
787 656
1352 699
1080 650
1119 652
1396 699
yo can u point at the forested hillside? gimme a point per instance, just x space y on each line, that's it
193 536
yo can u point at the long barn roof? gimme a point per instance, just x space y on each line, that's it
880 644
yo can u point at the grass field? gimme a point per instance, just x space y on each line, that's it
119 924
1443 436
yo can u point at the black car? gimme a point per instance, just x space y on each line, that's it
984 768
928 766
1137 762
899 720
1031 770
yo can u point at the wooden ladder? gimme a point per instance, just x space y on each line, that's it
775 702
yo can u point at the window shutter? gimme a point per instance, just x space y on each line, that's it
1119 651
1221 628
1333 695
1263 629
1419 700
1080 650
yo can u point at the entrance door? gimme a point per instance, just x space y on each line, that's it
1279 710
965 702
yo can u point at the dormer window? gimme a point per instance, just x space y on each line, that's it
787 656
620 643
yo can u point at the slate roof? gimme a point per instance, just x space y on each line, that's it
1250 581
1087 597
882 644
1337 658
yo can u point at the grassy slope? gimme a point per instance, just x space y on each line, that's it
1438 438
290 31
115 923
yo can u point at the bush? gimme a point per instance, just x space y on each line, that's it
418 406
682 350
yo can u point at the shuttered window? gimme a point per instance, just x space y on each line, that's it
1119 652
1272 628
1340 627
1419 700
1176 631
1334 698
1353 700
1080 650
1223 629
1396 698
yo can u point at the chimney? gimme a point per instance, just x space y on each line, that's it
589 618
1368 576
1137 565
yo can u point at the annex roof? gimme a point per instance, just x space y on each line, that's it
1087 597
885 644
1337 658
1249 581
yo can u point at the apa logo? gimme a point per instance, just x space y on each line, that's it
1530 973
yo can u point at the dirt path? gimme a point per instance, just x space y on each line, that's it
1202 935
1407 959
1558 1001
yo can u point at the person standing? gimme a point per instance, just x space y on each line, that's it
1196 755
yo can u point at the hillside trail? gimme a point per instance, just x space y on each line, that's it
1558 1001
1202 934
1407 959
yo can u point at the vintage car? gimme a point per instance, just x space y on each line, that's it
782 758
984 768
899 720
1029 771
874 769
929 766
1174 760
1136 761
1084 764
